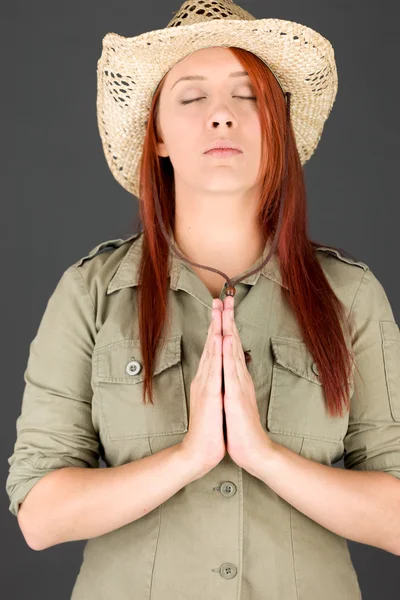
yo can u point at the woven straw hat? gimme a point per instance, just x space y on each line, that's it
130 68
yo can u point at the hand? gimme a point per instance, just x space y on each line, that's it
245 434
204 442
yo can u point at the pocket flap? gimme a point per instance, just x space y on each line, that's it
294 355
391 357
390 331
121 362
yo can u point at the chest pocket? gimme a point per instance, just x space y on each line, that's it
297 403
118 376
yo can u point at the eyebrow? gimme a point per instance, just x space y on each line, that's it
202 78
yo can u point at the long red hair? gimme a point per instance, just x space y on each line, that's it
319 313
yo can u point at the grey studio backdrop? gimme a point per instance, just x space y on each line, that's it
59 198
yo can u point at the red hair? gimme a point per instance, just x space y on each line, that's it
318 311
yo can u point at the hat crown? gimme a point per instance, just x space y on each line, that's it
130 69
201 11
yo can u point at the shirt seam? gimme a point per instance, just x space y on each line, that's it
357 293
74 267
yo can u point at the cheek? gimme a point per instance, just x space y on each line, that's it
184 156
180 136
253 131
253 143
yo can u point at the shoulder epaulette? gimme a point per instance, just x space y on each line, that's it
106 245
344 256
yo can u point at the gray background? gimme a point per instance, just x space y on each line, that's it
59 198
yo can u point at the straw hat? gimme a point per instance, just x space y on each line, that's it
130 68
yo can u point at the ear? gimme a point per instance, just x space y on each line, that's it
161 149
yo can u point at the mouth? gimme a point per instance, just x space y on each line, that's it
222 152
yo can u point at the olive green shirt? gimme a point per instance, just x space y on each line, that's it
227 535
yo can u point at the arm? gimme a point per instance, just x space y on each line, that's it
74 503
54 465
360 506
362 502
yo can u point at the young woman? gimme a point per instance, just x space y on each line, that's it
218 361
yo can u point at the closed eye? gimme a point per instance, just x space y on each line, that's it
202 98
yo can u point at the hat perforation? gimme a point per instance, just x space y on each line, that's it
120 88
215 6
312 79
320 78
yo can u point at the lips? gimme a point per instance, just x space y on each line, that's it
223 144
221 152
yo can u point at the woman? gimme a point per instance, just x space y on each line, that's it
222 484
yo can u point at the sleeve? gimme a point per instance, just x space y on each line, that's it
372 441
55 429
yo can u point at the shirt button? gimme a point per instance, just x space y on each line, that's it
228 489
315 368
228 570
133 367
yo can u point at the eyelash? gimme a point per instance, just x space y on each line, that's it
195 99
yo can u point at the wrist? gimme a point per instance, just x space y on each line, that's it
266 453
192 465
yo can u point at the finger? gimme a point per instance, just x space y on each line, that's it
214 378
234 362
211 371
236 376
209 348
219 304
231 374
229 328
228 314
237 348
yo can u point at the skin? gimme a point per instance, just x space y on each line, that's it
211 193
246 438
216 225
215 198
215 195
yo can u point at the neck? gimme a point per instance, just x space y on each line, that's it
219 230
230 248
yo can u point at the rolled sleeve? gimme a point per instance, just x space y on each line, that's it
372 441
55 428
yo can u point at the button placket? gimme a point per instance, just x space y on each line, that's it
226 570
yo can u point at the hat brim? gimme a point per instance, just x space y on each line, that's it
130 68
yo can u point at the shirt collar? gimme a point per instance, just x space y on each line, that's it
181 272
